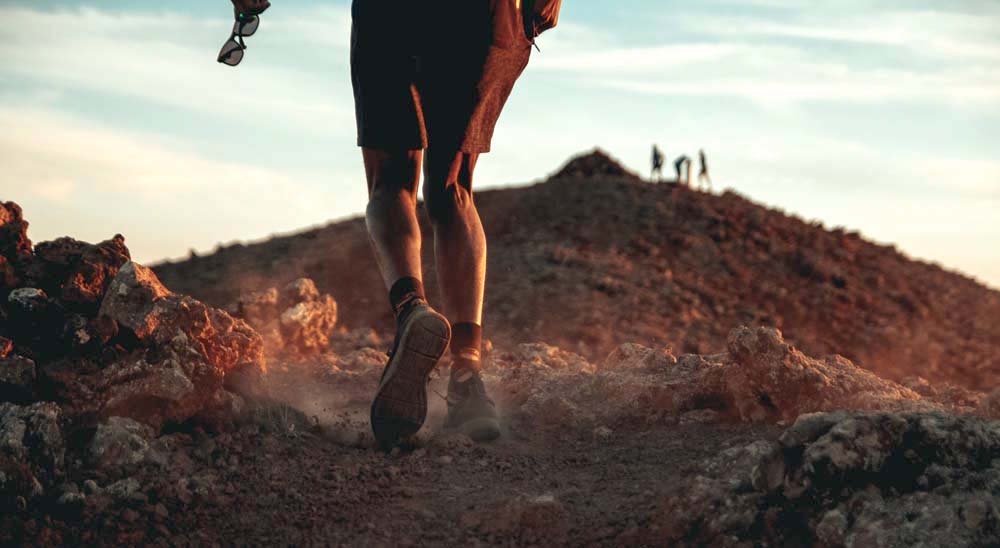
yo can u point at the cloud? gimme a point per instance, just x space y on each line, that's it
881 55
64 170
169 59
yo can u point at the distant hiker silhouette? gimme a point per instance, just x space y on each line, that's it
703 170
682 165
430 80
656 174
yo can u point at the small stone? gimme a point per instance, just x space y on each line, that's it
974 513
90 487
603 433
832 529
73 501
161 511
123 489
444 459
119 442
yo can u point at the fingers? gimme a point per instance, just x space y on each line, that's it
260 6
251 7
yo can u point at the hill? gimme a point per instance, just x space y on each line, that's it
594 257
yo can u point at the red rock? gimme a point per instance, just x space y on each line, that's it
90 277
14 242
296 320
6 347
770 379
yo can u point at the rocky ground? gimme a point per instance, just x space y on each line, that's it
132 414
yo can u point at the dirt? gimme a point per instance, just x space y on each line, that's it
276 480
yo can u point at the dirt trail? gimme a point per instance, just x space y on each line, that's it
307 488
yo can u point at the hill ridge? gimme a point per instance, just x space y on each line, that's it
663 264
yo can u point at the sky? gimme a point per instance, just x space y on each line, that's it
882 117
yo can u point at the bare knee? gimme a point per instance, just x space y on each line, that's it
392 172
447 203
448 187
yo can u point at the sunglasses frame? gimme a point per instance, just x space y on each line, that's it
236 37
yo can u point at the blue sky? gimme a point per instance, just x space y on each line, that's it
877 116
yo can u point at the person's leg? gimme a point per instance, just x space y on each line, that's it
391 215
459 240
399 407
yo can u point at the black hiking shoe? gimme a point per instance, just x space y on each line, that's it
400 405
470 410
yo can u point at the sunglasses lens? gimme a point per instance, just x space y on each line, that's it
231 53
248 27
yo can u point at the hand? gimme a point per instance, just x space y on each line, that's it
250 7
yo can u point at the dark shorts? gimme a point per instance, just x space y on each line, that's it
434 73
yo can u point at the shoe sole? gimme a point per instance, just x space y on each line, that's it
400 405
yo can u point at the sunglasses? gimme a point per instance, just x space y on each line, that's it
232 51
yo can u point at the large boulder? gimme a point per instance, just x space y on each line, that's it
78 272
296 320
138 302
181 355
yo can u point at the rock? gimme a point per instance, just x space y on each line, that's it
124 490
603 433
32 433
295 320
134 301
84 335
77 272
307 325
17 379
90 487
88 279
635 357
15 247
298 291
72 502
770 380
169 384
850 478
31 451
222 411
34 321
831 529
137 301
120 442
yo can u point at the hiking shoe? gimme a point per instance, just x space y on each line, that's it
470 410
400 405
